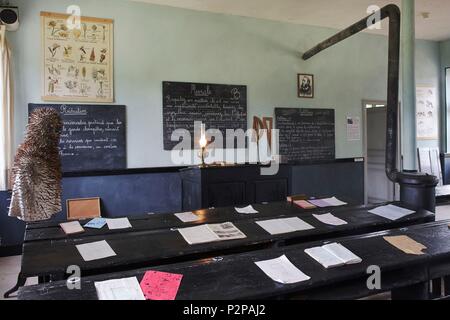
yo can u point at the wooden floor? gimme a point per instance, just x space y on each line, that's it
10 266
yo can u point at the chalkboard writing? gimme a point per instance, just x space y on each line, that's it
219 106
306 134
93 136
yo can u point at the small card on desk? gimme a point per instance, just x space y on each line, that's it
96 223
72 227
120 223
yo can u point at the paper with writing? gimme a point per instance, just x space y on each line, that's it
391 212
120 223
96 223
330 219
72 227
160 285
280 226
119 289
187 216
247 210
210 233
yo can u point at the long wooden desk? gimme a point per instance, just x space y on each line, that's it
237 277
146 248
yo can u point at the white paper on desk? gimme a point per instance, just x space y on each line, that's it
282 270
71 227
343 253
247 210
329 219
120 223
198 234
391 212
280 226
187 216
226 231
335 202
119 289
95 250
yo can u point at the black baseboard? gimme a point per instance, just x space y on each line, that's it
10 251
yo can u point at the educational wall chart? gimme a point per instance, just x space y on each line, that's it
77 62
427 113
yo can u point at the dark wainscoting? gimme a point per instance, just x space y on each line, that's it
160 190
343 179
445 164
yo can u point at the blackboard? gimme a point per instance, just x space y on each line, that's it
93 136
306 135
218 106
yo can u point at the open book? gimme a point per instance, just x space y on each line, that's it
211 232
333 255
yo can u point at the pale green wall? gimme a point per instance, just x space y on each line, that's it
445 63
156 43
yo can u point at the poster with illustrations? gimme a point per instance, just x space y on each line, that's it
78 59
427 113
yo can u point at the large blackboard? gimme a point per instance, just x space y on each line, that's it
218 106
93 136
306 135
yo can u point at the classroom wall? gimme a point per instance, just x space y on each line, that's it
157 43
445 63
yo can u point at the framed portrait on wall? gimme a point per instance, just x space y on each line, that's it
77 63
305 85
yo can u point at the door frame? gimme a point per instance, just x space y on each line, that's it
365 151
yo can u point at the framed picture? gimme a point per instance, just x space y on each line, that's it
305 86
78 63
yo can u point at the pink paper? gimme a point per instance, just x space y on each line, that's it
160 285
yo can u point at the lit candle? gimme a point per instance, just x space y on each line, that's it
203 141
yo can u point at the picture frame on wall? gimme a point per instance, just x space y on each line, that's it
305 85
78 60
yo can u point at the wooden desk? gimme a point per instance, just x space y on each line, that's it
237 277
153 247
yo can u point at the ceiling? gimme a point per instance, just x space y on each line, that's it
336 14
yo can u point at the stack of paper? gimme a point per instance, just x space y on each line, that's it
406 244
187 216
96 223
211 232
391 212
329 219
119 289
121 223
160 285
287 225
333 255
71 227
246 210
95 250
282 270
304 204
329 202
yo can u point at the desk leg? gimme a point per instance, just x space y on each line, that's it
21 280
420 291
437 288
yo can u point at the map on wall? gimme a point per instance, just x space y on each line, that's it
427 113
77 61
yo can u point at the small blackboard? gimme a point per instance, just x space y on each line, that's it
93 136
218 106
306 135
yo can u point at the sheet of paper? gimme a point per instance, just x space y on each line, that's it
160 285
330 219
187 216
335 202
391 212
226 231
95 250
96 223
324 257
120 223
198 234
406 244
282 270
280 226
304 204
246 210
119 289
342 253
320 203
71 227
